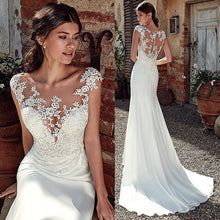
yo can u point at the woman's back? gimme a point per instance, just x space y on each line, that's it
151 42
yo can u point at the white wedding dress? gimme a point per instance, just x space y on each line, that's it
153 180
53 179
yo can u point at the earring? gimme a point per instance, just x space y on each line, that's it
44 46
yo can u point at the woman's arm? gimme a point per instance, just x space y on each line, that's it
168 55
134 45
93 151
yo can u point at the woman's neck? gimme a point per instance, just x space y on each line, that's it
51 73
151 26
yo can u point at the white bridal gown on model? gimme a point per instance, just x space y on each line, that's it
154 181
53 179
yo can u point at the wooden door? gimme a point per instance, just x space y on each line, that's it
10 28
4 28
205 36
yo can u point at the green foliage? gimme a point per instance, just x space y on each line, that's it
200 77
9 66
119 53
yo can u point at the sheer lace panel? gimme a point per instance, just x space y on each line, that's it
151 42
54 105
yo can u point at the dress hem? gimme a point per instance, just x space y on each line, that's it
169 213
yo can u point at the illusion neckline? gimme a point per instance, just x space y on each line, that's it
74 92
34 82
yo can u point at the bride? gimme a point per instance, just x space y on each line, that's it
58 106
153 179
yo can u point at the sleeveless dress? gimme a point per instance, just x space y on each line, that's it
53 179
153 179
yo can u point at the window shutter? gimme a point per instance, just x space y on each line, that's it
130 19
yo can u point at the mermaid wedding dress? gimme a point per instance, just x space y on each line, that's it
53 179
153 179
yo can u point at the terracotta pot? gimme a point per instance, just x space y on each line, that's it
208 98
11 150
10 129
11 154
5 181
217 127
10 133
165 96
8 112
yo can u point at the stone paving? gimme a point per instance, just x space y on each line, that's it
197 148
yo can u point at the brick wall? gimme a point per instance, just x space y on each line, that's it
160 6
178 70
95 16
27 11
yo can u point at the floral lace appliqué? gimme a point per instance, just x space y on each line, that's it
54 115
150 42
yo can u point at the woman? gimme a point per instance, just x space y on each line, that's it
154 181
58 106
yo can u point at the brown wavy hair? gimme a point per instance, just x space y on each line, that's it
43 22
146 8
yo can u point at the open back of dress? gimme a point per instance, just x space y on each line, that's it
151 43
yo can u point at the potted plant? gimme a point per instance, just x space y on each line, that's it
8 67
206 89
11 150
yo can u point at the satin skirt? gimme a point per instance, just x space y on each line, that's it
41 196
154 180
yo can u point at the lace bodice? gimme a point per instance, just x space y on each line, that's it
56 120
150 42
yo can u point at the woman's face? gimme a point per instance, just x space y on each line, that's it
143 18
61 43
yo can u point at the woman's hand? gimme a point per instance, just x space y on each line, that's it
11 191
104 209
